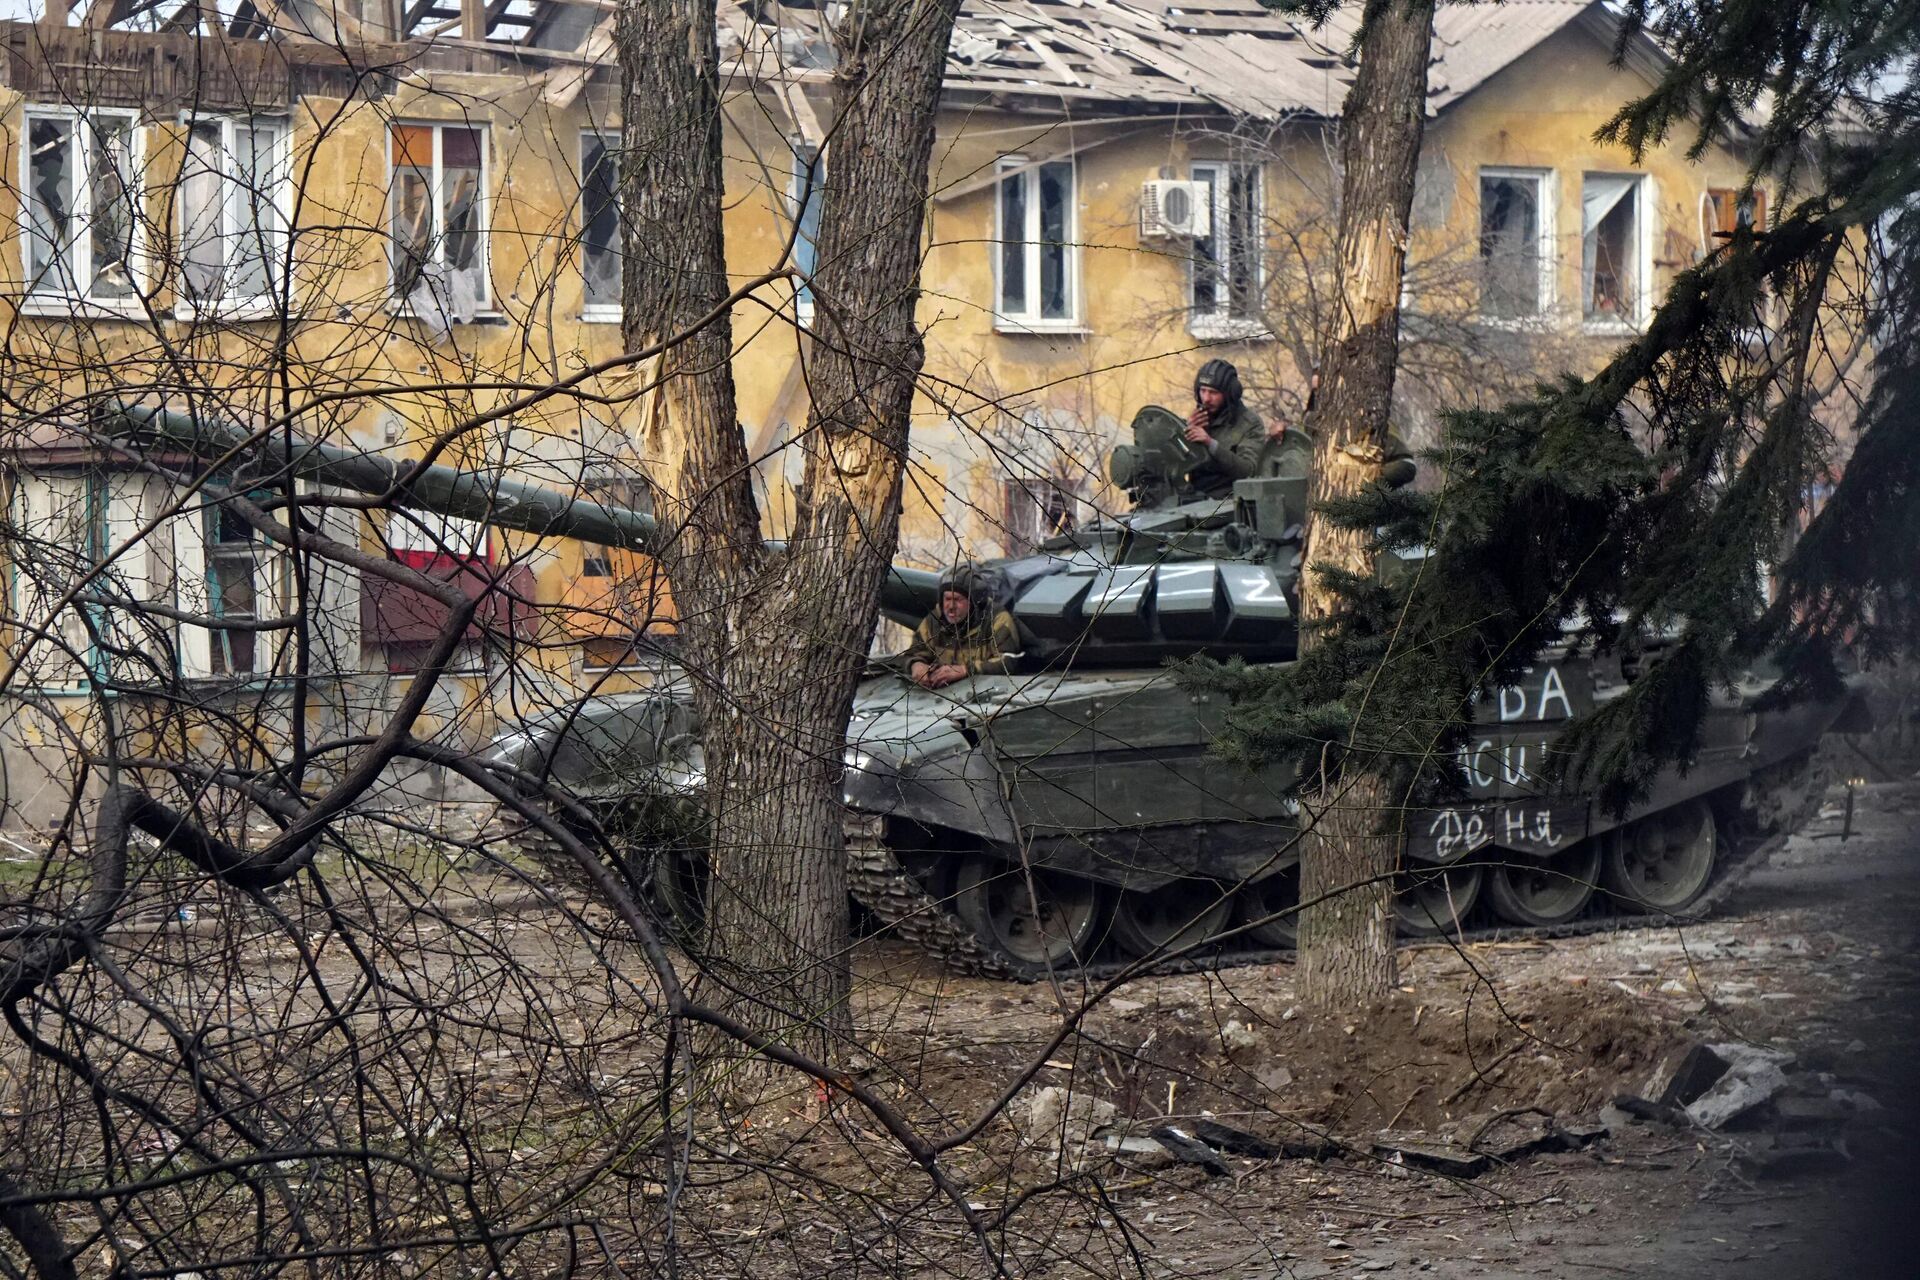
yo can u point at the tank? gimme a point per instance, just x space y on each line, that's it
1072 813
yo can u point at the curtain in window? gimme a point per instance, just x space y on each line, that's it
1600 195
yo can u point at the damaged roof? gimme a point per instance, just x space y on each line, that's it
1232 56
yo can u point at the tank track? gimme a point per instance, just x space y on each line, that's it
905 910
1776 802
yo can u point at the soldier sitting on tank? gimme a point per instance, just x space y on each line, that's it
1232 434
965 635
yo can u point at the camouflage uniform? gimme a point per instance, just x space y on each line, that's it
987 643
1239 437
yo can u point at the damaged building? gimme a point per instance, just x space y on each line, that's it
394 224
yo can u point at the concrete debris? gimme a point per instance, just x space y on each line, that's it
1800 1110
1237 1035
1426 1152
1742 1089
1794 1157
1273 1078
1686 1072
1738 1054
1063 1118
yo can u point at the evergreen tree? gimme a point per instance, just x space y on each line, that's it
1654 495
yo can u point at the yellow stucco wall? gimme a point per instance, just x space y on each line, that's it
996 403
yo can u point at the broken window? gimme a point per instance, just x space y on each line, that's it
621 594
236 560
1038 264
1612 238
1036 509
619 492
805 193
232 211
600 230
1514 244
1227 262
200 557
439 185
428 540
80 205
1724 210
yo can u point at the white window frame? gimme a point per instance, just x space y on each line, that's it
592 312
62 300
281 203
1644 207
1545 179
482 207
807 159
51 506
1217 324
192 527
106 508
1028 320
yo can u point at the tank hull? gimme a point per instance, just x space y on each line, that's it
1104 784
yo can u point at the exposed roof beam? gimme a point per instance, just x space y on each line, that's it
1047 153
564 84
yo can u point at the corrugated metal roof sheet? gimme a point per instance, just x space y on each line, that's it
1236 56
1474 42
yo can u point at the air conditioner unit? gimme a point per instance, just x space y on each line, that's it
1176 209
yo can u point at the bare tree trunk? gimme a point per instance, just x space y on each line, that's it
1346 942
776 640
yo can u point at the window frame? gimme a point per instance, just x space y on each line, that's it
1219 322
172 564
1027 172
1035 509
267 304
63 300
594 312
196 529
484 304
808 164
1644 206
1548 202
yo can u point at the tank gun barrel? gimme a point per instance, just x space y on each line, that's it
905 596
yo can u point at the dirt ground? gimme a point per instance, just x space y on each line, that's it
1814 955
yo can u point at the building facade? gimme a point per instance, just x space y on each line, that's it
397 228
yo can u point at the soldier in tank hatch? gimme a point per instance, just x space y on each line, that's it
1233 436
1291 447
965 635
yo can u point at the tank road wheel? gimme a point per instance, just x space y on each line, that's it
679 885
1257 905
1663 862
1430 900
1178 914
1056 923
1537 892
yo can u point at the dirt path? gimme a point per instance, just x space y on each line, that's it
1815 954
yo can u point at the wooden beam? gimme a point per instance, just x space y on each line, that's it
473 19
1035 157
565 83
102 14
